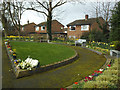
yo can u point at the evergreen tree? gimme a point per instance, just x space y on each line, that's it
115 23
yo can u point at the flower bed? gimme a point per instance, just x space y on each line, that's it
96 73
100 46
102 78
21 38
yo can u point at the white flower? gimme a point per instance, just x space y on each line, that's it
87 46
90 76
6 43
100 69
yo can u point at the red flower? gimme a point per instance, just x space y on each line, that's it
63 89
100 71
95 71
93 74
86 77
76 82
90 78
109 65
85 80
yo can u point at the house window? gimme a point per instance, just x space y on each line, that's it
72 28
22 28
61 28
37 28
84 27
42 27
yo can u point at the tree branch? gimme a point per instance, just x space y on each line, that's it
59 3
36 10
42 5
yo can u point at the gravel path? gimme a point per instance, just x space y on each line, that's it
61 77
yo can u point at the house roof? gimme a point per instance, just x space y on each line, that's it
28 24
83 21
45 23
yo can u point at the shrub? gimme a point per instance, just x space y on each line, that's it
104 78
110 78
110 72
97 84
116 45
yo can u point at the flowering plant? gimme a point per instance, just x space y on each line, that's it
28 64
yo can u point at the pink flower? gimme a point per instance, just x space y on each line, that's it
86 77
63 89
85 80
93 74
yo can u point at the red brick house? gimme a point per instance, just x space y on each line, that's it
57 28
28 28
78 27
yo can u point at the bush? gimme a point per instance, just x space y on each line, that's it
110 78
116 45
110 72
98 84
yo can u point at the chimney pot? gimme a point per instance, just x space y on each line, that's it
28 21
86 17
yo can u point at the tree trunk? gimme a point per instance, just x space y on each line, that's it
49 26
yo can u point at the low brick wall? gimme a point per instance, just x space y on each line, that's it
22 73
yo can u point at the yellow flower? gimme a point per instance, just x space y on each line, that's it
112 45
93 41
14 54
14 50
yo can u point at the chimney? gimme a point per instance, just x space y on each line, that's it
28 21
86 17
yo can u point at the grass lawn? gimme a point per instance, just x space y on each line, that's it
44 52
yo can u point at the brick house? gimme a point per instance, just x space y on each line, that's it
28 28
57 29
79 27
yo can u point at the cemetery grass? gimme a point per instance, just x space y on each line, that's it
44 52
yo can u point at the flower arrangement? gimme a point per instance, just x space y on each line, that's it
28 64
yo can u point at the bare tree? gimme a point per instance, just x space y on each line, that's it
46 7
103 9
16 10
4 17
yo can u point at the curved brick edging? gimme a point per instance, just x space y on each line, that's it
103 66
22 73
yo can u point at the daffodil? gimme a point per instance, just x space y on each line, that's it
93 41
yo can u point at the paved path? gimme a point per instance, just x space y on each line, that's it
57 78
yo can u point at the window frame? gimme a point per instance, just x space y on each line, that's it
85 29
36 28
72 29
42 28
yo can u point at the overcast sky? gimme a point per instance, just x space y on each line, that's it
64 14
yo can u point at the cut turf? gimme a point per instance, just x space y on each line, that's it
44 52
